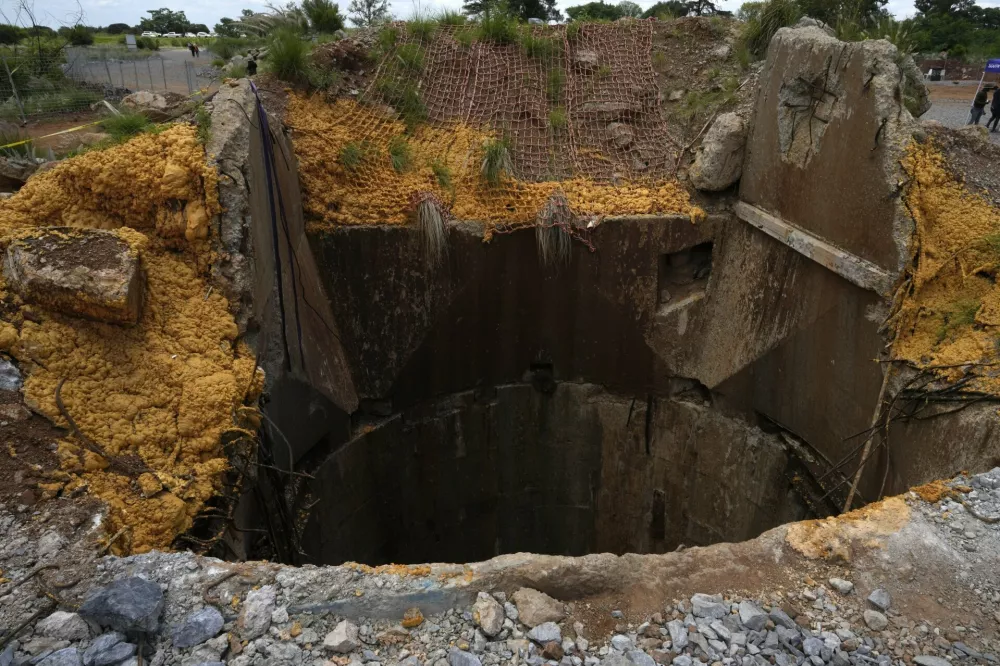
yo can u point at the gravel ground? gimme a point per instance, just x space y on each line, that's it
955 113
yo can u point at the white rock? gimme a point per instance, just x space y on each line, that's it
64 626
343 639
534 607
719 162
488 614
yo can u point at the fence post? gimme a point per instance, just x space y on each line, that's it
149 68
188 71
121 73
135 70
17 98
163 69
107 68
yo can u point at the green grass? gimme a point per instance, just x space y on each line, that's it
237 72
287 56
537 46
203 121
421 28
218 62
442 173
573 30
554 84
603 72
659 61
496 164
400 154
961 314
696 103
387 38
123 127
557 118
465 36
762 20
404 96
411 57
352 156
713 73
498 27
451 17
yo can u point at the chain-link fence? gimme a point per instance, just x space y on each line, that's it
37 81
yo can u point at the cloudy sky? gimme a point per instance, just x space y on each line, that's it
103 12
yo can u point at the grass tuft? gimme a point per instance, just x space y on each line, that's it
287 57
400 154
555 83
451 17
421 28
557 118
404 96
538 46
498 26
123 127
496 165
203 121
431 223
352 156
411 56
442 173
960 315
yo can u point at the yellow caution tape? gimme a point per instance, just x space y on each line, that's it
65 131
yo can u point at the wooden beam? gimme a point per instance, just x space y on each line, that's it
852 268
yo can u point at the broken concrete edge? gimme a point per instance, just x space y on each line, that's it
228 151
111 292
852 268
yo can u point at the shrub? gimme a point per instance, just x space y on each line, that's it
324 16
225 47
203 121
465 37
218 62
352 155
237 71
80 36
287 56
148 43
125 126
442 173
387 38
573 30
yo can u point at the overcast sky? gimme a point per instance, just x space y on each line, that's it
104 12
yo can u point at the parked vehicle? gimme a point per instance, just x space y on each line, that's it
149 33
170 34
204 34
190 34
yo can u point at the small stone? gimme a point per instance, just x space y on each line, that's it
199 626
621 643
582 644
255 617
640 658
534 607
344 638
115 654
64 626
412 618
875 620
781 619
279 615
928 660
545 633
488 614
707 605
678 634
552 650
841 585
510 610
66 657
682 660
128 604
812 646
617 614
880 599
458 657
751 616
7 656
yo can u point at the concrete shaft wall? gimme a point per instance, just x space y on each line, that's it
564 469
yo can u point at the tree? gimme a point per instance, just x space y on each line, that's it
11 34
324 16
247 13
197 27
595 11
227 27
366 13
630 9
519 9
118 28
80 35
164 20
667 9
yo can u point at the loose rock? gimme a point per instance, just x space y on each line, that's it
488 614
545 633
255 618
462 658
128 604
100 647
64 626
841 585
66 657
719 162
875 620
198 627
343 639
880 599
534 607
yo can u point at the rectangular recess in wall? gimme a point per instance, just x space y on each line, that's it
682 277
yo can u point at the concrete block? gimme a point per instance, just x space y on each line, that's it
80 272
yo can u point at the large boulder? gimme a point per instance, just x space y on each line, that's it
535 608
81 272
719 162
158 106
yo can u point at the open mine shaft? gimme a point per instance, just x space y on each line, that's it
595 348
